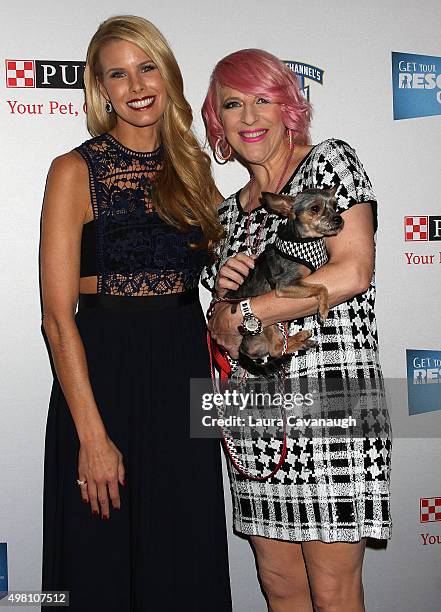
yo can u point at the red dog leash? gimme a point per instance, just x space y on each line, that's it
219 360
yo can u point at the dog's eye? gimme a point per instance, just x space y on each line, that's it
315 209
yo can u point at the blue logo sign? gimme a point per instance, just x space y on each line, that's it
423 381
416 83
3 569
303 72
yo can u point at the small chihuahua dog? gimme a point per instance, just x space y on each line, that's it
284 264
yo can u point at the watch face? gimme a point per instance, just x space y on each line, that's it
252 324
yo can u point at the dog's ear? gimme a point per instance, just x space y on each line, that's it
280 204
332 191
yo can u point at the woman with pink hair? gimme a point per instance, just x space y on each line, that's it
309 521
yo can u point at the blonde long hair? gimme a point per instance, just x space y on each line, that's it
184 192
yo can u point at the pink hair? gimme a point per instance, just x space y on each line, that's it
256 72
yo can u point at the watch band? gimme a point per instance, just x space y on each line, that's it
245 308
251 325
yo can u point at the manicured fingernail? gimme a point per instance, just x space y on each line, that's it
85 501
105 516
95 512
116 508
123 483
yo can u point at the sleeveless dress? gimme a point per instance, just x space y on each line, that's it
329 488
144 338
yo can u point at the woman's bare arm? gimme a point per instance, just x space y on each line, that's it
65 205
348 272
64 211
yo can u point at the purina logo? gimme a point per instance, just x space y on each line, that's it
44 74
422 228
304 72
430 512
430 509
416 84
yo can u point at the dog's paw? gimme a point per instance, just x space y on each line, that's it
310 344
322 315
305 341
303 335
300 341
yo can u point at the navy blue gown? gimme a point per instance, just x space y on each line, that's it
144 337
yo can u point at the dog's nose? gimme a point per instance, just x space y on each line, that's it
337 220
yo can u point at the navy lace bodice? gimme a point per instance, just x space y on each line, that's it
137 253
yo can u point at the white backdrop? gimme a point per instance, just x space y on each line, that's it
352 42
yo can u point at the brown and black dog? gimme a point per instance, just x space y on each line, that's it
285 264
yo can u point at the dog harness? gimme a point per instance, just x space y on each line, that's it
311 252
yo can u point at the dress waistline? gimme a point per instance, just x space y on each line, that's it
129 303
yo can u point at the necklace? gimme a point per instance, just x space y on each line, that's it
253 246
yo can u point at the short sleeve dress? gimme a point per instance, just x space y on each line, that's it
327 489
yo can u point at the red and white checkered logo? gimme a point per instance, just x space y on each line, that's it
430 509
20 73
416 228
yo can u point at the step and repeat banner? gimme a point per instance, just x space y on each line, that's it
372 71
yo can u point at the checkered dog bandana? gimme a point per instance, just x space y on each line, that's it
310 252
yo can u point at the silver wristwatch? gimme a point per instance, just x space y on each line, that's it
251 325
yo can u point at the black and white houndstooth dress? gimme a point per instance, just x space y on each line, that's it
329 489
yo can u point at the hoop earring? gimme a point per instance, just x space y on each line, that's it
218 153
108 106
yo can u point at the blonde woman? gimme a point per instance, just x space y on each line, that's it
127 219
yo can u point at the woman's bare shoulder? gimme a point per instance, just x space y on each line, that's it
67 191
70 165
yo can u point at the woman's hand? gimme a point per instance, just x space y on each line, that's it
223 328
233 273
100 464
